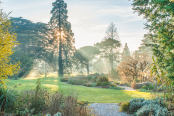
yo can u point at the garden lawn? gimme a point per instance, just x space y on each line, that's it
96 95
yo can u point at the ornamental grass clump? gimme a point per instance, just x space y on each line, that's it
7 100
125 106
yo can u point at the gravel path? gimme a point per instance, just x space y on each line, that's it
127 88
106 109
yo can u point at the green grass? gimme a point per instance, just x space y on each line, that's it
96 95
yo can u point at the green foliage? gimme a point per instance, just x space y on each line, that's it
28 103
33 99
135 104
159 15
64 79
125 106
149 87
143 107
90 84
85 54
105 83
34 37
102 79
147 102
58 114
77 81
109 46
115 87
99 83
89 78
7 99
162 112
146 109
25 112
26 62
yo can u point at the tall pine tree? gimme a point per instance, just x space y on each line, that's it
62 33
126 52
110 45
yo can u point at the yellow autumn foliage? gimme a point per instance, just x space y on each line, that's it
7 44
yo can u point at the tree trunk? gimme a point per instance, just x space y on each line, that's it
112 34
60 49
87 68
45 69
133 78
111 64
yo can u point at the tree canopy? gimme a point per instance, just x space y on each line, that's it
85 55
109 46
34 39
159 15
62 34
7 45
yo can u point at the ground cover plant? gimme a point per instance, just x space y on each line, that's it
144 107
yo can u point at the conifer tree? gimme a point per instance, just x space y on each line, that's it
62 33
126 52
109 47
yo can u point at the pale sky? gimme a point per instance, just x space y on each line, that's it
89 18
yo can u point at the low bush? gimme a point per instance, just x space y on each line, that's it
89 78
143 107
92 78
149 87
68 105
136 104
147 102
162 112
90 84
105 83
77 81
102 79
146 109
31 100
117 83
64 80
113 85
125 106
99 84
